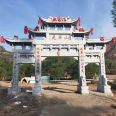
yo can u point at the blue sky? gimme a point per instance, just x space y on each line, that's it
14 14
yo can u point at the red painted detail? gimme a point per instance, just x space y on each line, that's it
91 31
2 39
81 29
78 24
59 19
79 21
54 19
26 30
113 40
40 22
102 38
36 28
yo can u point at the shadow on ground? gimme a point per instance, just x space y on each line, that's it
25 104
59 89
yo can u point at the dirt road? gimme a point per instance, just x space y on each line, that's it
57 100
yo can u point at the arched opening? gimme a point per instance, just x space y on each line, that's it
26 70
24 81
92 75
63 72
60 68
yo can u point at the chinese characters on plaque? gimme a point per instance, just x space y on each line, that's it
59 37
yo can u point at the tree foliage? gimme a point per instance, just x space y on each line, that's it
113 11
55 67
59 67
26 70
5 68
91 70
110 66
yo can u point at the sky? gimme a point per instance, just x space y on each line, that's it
15 14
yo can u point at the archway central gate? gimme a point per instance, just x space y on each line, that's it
45 42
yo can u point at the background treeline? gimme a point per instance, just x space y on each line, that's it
56 67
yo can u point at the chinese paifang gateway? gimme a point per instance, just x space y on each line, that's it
59 36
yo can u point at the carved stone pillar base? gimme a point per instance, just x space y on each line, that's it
103 86
83 89
36 90
106 89
14 91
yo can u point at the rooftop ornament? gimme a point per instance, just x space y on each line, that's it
113 40
81 29
2 39
40 22
91 31
26 30
79 21
102 38
36 28
16 37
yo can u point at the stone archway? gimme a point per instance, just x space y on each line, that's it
38 52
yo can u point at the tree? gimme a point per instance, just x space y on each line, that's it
5 68
113 11
72 69
26 70
57 68
2 73
91 70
